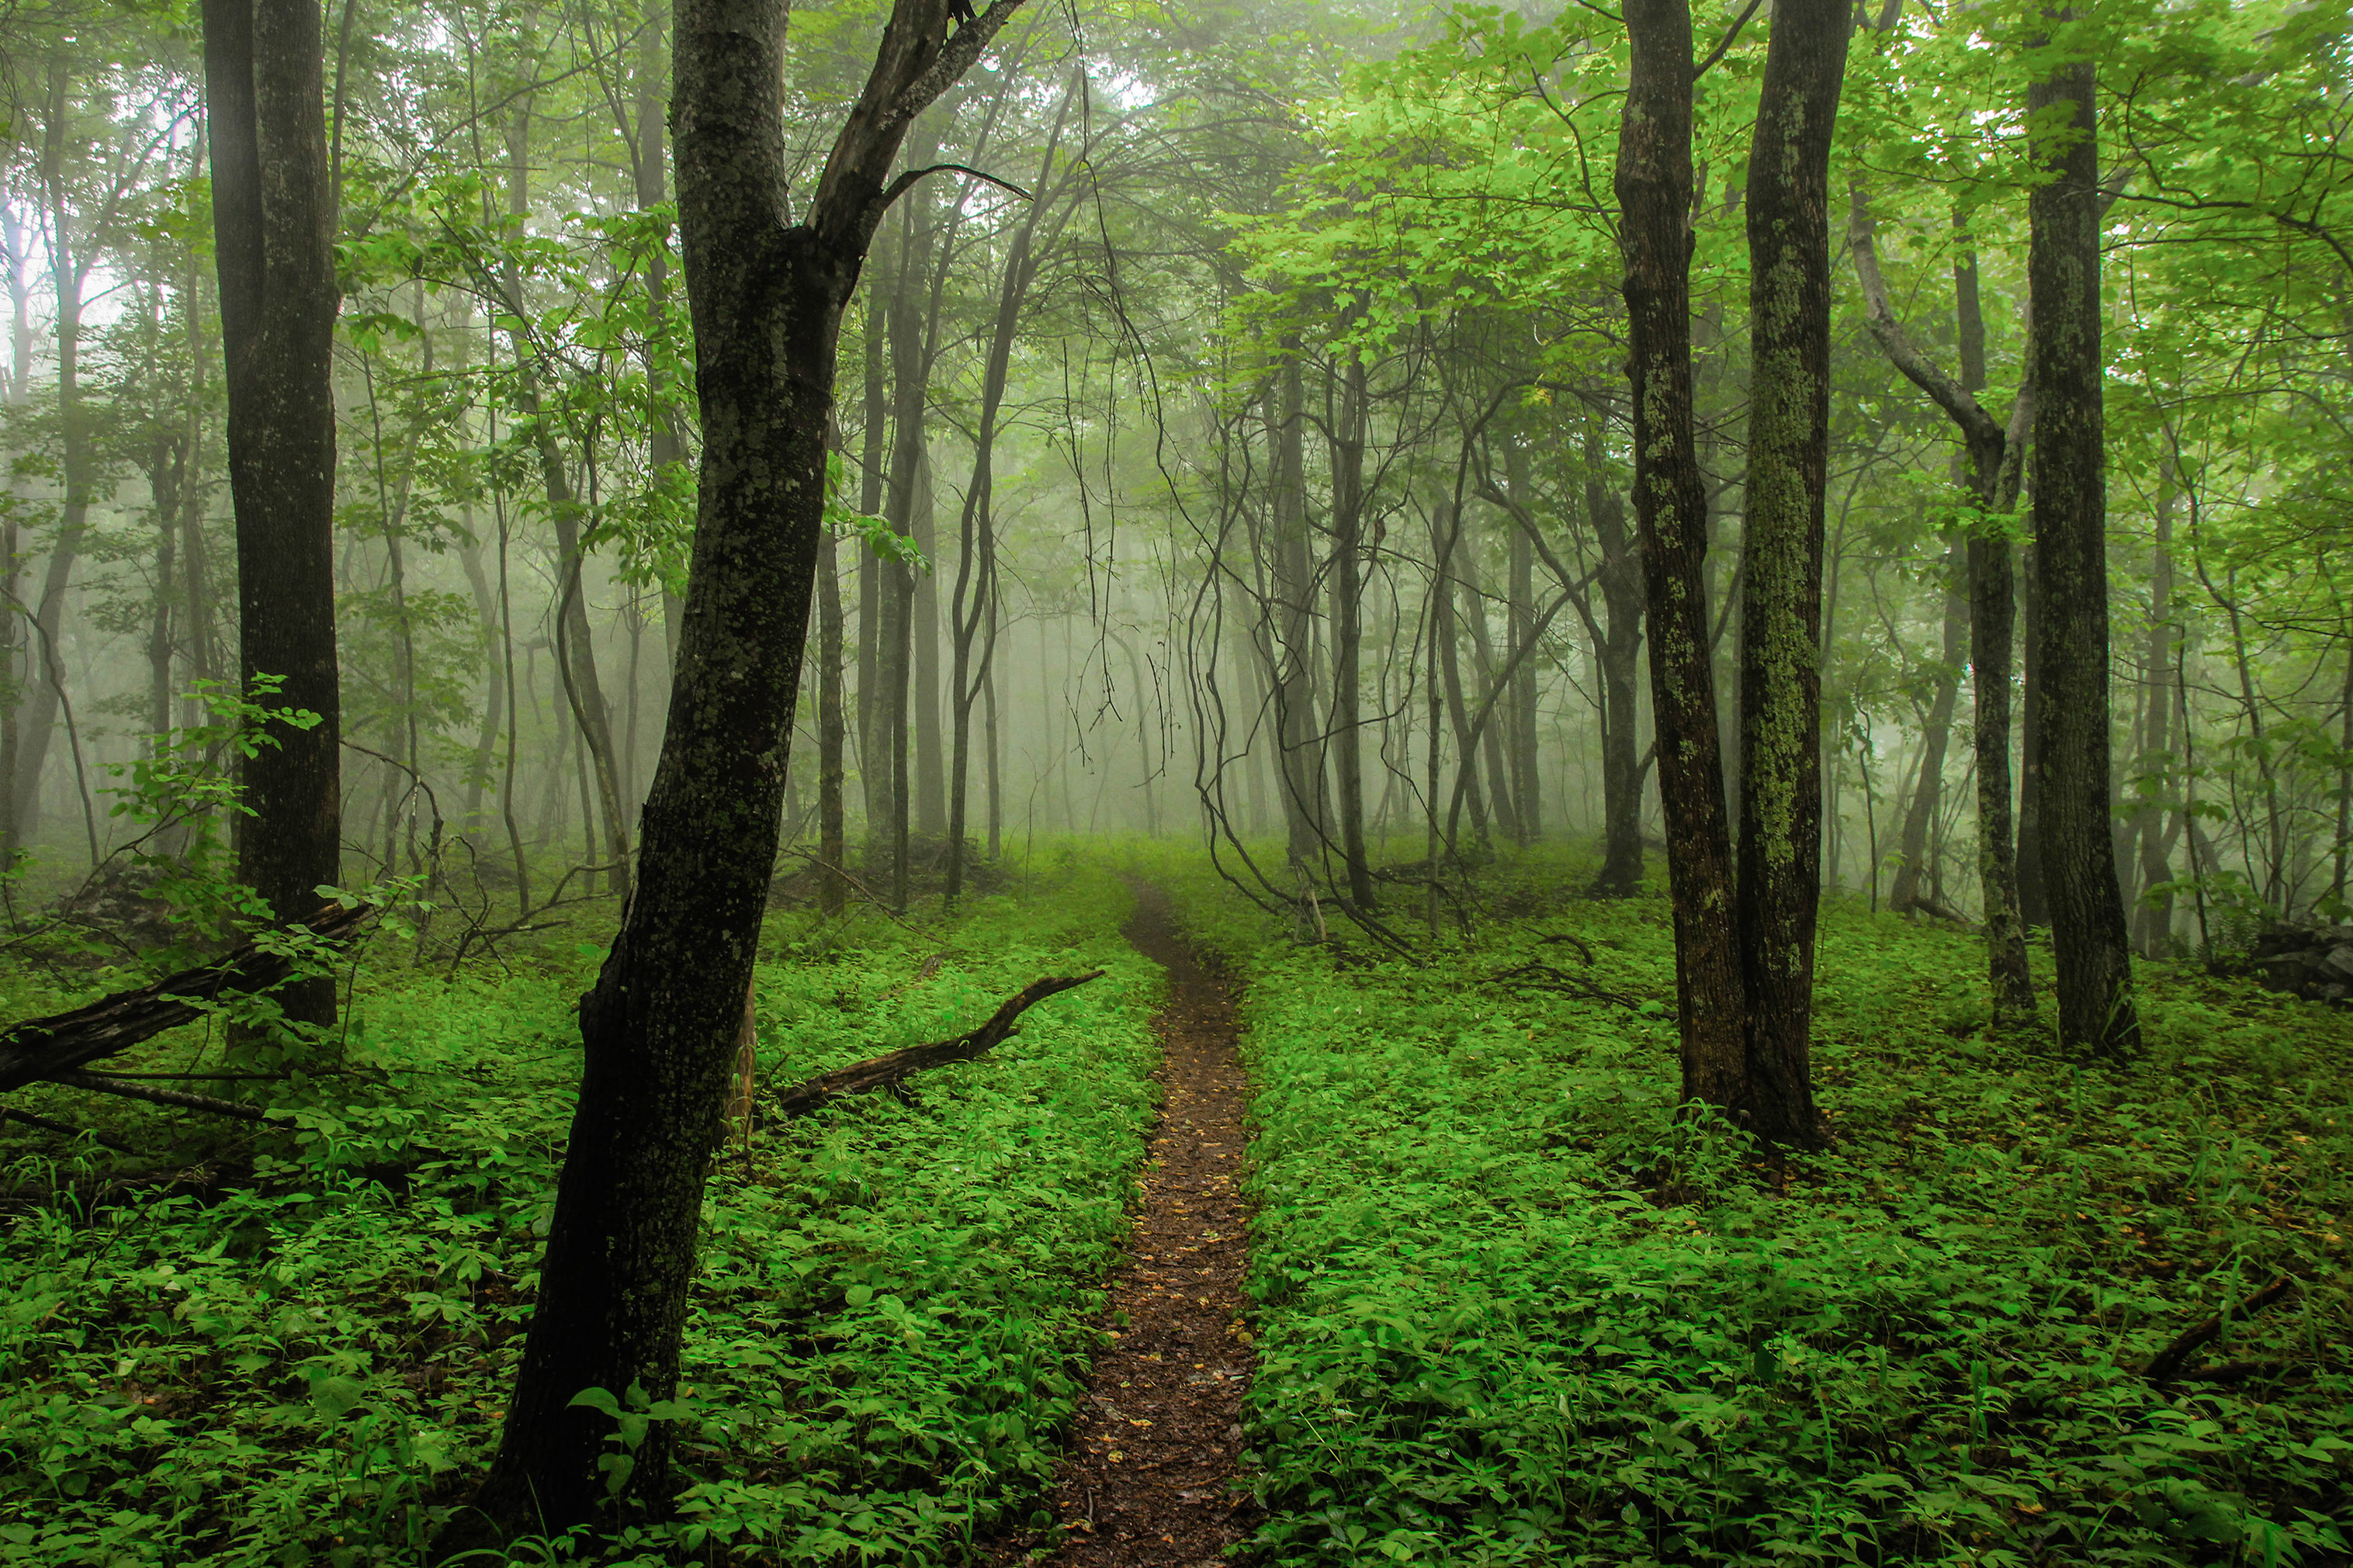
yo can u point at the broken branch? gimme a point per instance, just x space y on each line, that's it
2169 1361
53 1046
880 1072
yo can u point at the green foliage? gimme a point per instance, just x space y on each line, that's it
1513 1310
887 1330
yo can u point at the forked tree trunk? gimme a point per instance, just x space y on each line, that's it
659 1031
273 225
1994 465
2089 939
1654 196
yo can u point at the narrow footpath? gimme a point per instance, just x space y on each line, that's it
1149 1477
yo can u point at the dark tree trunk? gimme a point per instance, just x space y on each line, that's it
2089 939
1617 652
1935 737
2153 916
2034 898
273 226
1293 614
832 832
1781 598
660 1029
1349 630
874 474
1654 196
1523 591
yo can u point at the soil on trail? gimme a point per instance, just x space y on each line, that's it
1149 1478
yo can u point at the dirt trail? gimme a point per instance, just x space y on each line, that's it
1149 1478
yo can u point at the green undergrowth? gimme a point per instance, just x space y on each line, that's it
1512 1312
307 1363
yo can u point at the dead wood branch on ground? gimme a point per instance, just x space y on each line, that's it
53 1046
880 1072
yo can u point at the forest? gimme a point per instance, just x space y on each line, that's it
1097 781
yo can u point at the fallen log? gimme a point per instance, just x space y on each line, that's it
2170 1361
880 1072
53 1046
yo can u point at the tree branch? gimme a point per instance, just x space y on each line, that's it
880 1072
1976 424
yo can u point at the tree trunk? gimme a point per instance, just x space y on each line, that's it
1654 185
1293 614
273 226
2153 916
659 1030
1347 593
1528 787
832 832
1617 653
2088 934
1781 598
1936 736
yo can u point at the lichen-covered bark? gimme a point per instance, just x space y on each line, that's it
273 221
1654 184
659 1030
2090 944
1781 599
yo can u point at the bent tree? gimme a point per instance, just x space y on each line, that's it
273 226
765 297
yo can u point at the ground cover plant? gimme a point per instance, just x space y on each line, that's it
1511 1309
304 1363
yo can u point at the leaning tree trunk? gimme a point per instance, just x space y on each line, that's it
659 1031
273 226
1654 185
2089 939
1781 595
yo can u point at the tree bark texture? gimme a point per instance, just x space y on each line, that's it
273 225
2090 944
1781 595
1653 183
660 1029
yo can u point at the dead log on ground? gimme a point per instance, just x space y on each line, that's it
880 1072
53 1046
2170 1361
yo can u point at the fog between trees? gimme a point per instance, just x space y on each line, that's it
1365 440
